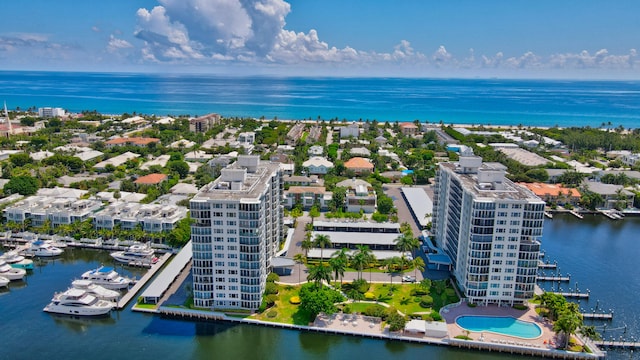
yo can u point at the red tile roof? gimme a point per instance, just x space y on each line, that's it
151 179
358 163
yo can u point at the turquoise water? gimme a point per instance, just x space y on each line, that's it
462 101
500 325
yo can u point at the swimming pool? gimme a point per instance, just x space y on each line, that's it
504 325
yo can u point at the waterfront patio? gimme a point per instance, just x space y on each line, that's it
548 339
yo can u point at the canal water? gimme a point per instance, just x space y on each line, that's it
598 253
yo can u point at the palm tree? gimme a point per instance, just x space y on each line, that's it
299 259
365 257
418 264
568 322
322 241
391 264
306 244
338 266
358 260
318 274
404 243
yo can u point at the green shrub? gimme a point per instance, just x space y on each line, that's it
436 316
396 322
375 311
450 292
270 300
471 305
346 309
295 300
271 288
272 314
463 337
426 301
369 295
419 291
361 285
520 307
273 277
427 317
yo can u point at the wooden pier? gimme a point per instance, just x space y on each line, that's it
598 316
618 344
576 214
544 265
142 282
574 295
554 278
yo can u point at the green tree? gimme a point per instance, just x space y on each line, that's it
316 300
406 243
540 175
23 185
567 323
299 259
318 274
20 159
180 167
338 263
385 204
314 213
307 243
418 264
322 241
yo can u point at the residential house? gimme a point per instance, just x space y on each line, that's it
360 196
359 165
317 165
307 196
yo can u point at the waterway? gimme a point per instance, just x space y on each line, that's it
599 253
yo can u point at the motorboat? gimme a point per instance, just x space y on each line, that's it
43 249
137 254
78 302
107 277
98 291
17 261
4 282
11 273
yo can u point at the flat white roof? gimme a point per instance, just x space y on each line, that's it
162 282
358 238
419 203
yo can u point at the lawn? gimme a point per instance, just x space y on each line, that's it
399 296
285 312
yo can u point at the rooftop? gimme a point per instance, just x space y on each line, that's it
506 191
241 183
358 163
151 179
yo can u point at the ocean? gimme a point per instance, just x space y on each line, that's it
461 101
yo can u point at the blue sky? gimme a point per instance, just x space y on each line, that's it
420 38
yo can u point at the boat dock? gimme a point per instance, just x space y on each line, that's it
574 295
611 214
618 344
554 278
576 214
544 265
598 316
142 282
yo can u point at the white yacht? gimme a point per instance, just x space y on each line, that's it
43 249
4 282
11 273
107 277
137 254
17 261
78 302
96 290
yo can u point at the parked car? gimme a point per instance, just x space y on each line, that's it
408 278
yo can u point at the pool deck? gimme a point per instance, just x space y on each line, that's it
547 340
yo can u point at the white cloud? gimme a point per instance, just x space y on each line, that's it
203 32
116 44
